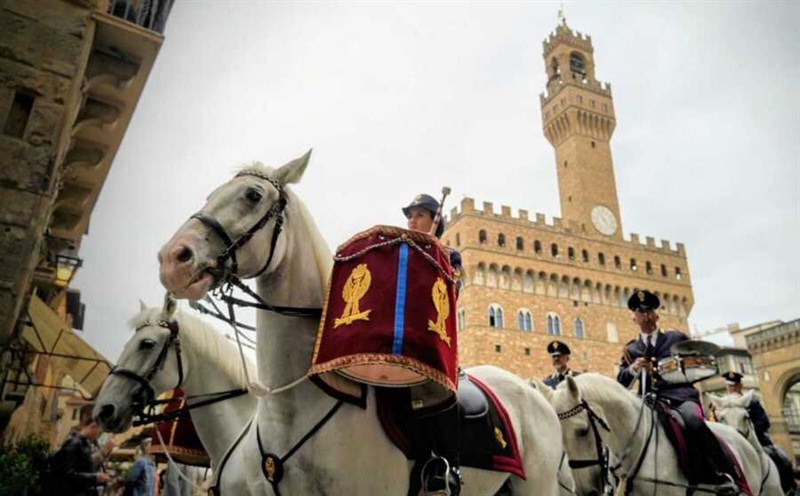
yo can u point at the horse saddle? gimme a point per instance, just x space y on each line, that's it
486 438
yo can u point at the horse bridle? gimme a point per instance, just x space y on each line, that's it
228 279
602 452
145 394
276 210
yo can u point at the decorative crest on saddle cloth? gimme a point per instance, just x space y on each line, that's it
442 305
354 289
498 435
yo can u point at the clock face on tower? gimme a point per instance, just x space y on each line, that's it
604 220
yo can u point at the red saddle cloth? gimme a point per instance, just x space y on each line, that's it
389 317
180 436
487 441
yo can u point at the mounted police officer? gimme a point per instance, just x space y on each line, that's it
441 428
559 352
733 382
643 354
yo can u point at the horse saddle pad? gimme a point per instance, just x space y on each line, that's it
675 427
487 439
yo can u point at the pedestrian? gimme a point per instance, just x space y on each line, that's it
142 477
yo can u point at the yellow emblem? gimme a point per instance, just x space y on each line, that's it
269 466
498 435
442 305
354 289
640 295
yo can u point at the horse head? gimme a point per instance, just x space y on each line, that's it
732 410
236 233
148 366
581 429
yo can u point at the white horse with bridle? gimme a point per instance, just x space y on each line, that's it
644 460
591 470
732 410
307 442
172 349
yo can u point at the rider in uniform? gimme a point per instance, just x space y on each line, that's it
644 352
733 382
441 428
559 352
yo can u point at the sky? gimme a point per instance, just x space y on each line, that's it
401 98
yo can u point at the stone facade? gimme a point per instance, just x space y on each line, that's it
576 270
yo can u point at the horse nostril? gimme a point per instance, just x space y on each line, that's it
106 412
185 254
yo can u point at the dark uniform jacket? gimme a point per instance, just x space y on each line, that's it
674 394
760 421
71 467
554 379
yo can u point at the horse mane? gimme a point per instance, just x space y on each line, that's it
594 386
296 206
206 342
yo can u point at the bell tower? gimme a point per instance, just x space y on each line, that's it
578 120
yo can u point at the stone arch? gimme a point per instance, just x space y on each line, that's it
516 280
575 289
492 276
480 274
505 277
563 287
586 291
528 282
540 286
598 293
552 286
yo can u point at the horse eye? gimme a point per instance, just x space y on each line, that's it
582 432
253 195
146 344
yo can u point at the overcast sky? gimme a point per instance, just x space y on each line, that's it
400 98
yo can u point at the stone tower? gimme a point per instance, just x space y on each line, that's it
528 279
578 120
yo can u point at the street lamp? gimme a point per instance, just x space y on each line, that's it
65 269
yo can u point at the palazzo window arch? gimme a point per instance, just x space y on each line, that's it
578 328
553 324
524 320
495 314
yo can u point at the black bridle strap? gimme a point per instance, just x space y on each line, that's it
146 418
602 455
261 304
213 224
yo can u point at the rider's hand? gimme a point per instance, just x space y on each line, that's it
637 365
103 477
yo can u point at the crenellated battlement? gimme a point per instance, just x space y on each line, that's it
563 34
603 88
555 224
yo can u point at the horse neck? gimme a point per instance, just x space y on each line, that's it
622 413
216 424
284 344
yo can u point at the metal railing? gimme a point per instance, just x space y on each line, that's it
149 14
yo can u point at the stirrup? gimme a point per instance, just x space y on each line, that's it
449 473
728 487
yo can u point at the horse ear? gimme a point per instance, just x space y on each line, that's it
748 396
291 172
572 387
142 306
546 391
170 305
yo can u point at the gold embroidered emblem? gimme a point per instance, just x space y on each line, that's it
442 305
354 289
269 467
640 295
498 435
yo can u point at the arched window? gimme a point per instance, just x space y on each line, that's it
585 255
578 328
648 267
524 321
495 316
571 253
577 63
482 236
520 243
554 70
462 319
611 332
553 324
617 262
663 270
458 239
601 259
678 274
537 246
634 267
554 250
501 240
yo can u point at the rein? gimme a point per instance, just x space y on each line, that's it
602 453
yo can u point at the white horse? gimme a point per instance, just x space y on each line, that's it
624 427
732 410
590 471
349 454
209 362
